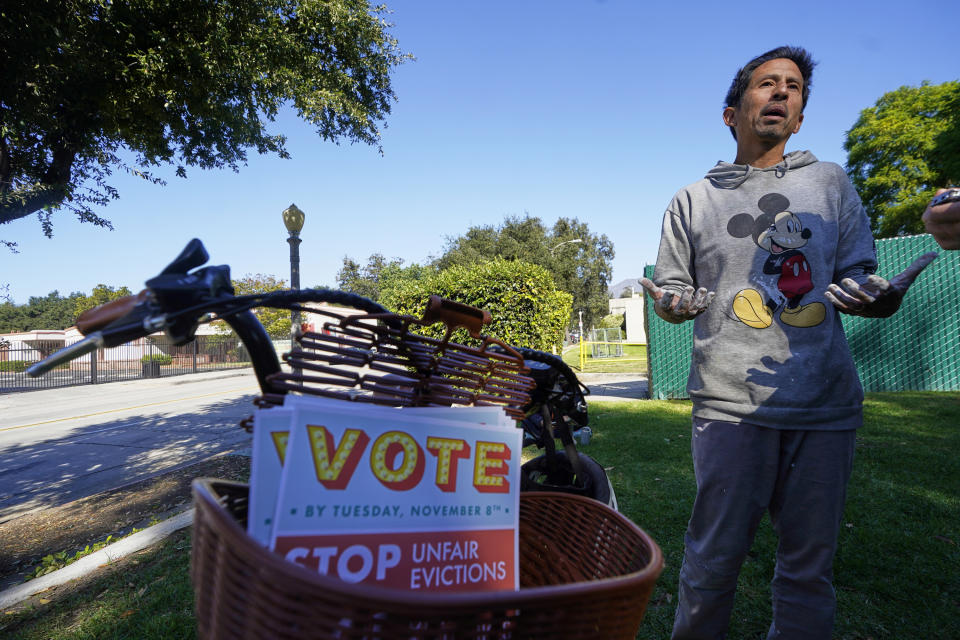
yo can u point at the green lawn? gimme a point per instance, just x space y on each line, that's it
896 571
632 360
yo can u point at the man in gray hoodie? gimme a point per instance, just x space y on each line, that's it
763 253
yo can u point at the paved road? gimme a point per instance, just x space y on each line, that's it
615 386
59 445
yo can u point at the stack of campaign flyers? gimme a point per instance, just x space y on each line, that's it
417 498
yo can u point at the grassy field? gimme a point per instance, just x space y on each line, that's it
896 571
632 360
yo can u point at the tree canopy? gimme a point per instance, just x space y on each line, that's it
276 321
176 82
101 294
901 150
51 312
378 274
54 311
580 262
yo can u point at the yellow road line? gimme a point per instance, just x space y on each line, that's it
139 406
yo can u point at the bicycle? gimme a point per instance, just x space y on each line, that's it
598 589
558 407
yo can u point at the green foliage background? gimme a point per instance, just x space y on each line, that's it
581 262
276 321
52 311
901 150
611 321
179 82
527 308
101 294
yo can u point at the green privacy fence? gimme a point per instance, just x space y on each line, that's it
918 349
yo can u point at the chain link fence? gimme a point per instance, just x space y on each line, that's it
917 349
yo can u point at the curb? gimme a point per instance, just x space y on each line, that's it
200 376
88 564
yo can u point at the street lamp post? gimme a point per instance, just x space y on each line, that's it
582 350
293 219
574 241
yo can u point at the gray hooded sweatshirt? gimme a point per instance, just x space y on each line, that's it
770 349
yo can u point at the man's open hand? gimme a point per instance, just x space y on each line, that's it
876 298
677 308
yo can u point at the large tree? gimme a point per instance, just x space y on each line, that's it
901 150
50 312
371 279
175 82
579 261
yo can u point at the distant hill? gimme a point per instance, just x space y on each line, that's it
616 290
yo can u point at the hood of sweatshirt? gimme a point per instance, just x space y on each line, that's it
726 175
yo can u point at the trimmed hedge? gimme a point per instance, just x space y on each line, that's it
527 308
159 358
13 366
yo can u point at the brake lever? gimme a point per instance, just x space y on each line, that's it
91 343
134 325
133 317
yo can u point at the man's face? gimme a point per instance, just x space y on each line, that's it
771 108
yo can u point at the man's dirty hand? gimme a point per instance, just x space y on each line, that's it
674 307
877 297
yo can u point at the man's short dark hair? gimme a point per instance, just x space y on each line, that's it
799 56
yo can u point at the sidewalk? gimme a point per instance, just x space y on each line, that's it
615 386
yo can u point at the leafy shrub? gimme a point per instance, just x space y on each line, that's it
612 321
159 358
527 308
13 366
56 561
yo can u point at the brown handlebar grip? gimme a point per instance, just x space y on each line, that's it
456 314
97 318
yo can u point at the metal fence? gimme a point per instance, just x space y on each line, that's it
151 357
604 343
612 357
918 349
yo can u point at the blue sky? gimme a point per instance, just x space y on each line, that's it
598 110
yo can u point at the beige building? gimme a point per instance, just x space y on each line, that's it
627 298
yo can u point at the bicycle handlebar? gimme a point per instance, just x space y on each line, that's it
176 301
99 317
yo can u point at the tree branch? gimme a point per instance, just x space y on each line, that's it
17 204
20 203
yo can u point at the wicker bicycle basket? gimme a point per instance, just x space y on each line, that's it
585 572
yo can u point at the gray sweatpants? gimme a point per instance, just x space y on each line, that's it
743 470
